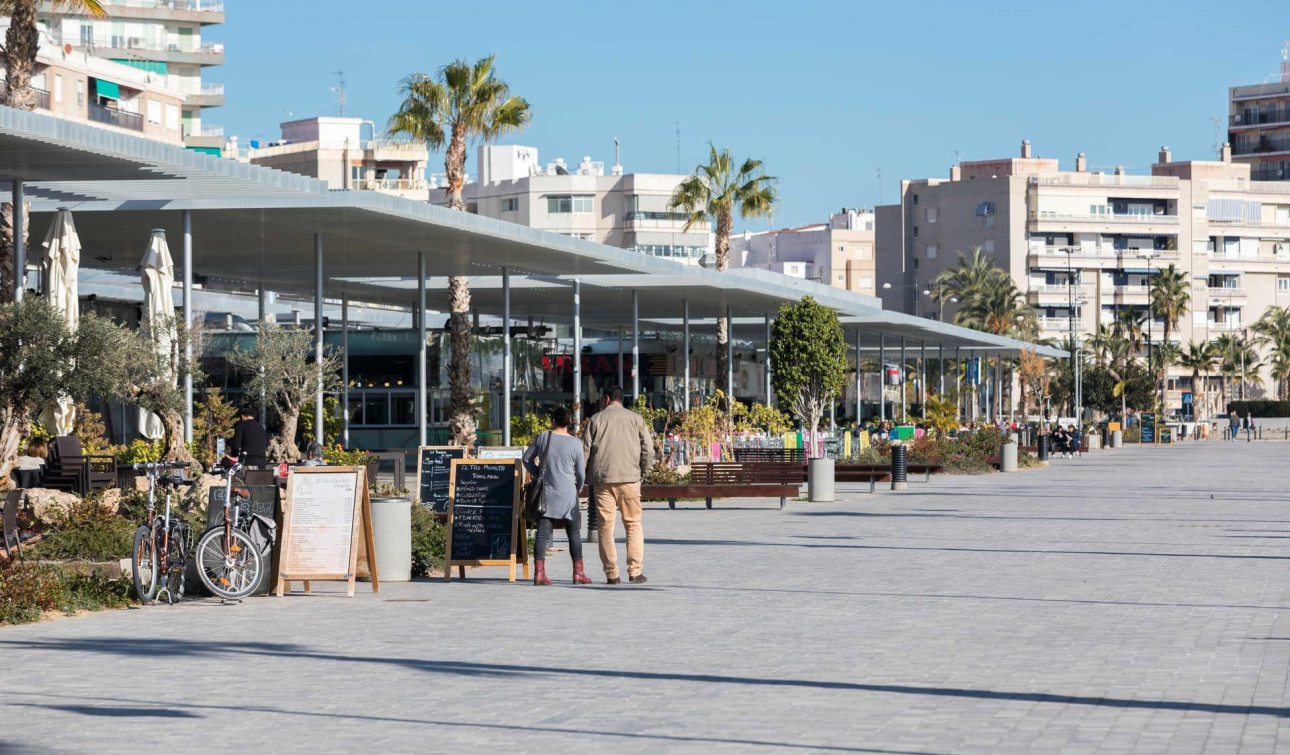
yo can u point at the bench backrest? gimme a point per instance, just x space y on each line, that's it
770 454
747 473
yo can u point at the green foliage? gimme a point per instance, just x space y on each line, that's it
808 355
1260 408
664 475
213 418
336 455
333 423
718 189
648 413
462 102
92 432
1100 382
762 417
942 415
140 451
86 532
388 490
28 590
429 541
965 453
526 427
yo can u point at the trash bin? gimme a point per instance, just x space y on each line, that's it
1041 448
819 481
1008 455
899 466
392 536
1117 438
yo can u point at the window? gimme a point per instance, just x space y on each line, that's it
931 251
58 87
356 172
915 231
841 248
80 93
1097 209
931 214
172 116
154 112
915 199
1283 283
511 204
563 204
989 246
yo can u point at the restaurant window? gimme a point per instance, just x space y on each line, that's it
511 204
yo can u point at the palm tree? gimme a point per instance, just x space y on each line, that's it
998 307
1200 358
20 46
964 281
713 194
1273 330
1128 325
459 104
1170 295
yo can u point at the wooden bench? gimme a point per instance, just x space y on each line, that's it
732 479
927 470
860 473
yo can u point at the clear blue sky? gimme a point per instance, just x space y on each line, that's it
826 93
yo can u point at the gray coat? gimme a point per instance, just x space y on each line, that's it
566 472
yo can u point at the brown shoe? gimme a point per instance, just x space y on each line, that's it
539 574
638 579
613 581
579 576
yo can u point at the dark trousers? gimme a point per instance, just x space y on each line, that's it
572 527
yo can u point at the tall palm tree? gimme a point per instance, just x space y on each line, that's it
1200 358
1170 295
21 42
965 280
1273 330
1128 325
998 307
714 193
1104 344
461 103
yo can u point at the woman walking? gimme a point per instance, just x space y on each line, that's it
563 468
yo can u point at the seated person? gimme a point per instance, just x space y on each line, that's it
36 457
314 456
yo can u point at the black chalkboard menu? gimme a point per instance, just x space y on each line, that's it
483 513
1148 431
434 467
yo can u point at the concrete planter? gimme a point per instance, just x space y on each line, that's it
1008 455
1117 438
819 480
392 533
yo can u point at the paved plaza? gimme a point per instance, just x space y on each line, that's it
1130 601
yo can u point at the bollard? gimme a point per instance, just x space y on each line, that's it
1008 455
593 521
1041 447
1117 438
899 467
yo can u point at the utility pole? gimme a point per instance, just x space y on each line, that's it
340 92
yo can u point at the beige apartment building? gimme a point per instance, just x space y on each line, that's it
839 253
1258 125
1082 244
336 150
627 210
77 86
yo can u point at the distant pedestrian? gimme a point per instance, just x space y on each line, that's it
314 456
1249 426
564 470
250 442
1233 425
1073 440
620 450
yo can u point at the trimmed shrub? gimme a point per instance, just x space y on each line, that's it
28 590
429 541
1261 408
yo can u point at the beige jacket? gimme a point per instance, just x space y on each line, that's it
619 446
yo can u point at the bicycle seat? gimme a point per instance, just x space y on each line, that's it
173 479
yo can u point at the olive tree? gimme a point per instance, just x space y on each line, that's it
808 359
152 379
279 366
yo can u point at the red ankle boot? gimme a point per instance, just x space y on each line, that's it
579 576
539 573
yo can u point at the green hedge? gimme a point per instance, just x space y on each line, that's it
1260 408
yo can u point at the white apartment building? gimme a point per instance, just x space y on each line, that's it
839 253
334 149
1082 244
161 38
77 86
627 210
1258 125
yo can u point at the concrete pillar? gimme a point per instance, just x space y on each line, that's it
882 377
620 358
577 351
344 369
636 345
20 246
904 393
859 382
940 369
188 313
730 357
769 385
506 357
685 351
318 336
922 377
423 380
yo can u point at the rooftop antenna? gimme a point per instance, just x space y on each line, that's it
878 175
1218 136
340 91
618 165
678 146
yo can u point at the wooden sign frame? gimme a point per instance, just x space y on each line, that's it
465 454
518 549
361 544
511 452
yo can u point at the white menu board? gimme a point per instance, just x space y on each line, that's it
321 525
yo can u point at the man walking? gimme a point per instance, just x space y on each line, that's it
250 441
620 449
1233 424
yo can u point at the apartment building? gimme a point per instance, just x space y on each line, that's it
163 39
1258 125
77 86
839 253
335 150
1082 244
627 210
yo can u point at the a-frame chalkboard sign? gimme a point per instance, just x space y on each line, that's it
326 527
484 515
434 469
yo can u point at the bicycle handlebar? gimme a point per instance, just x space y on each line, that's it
151 465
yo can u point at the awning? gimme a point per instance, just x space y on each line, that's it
107 89
1142 270
1232 273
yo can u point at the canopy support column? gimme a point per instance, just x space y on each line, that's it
20 246
577 352
187 300
904 391
882 377
318 336
958 382
730 359
423 382
506 357
922 377
262 305
685 351
859 384
636 345
620 358
769 386
940 368
344 368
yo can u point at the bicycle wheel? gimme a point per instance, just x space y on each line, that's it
229 575
177 578
143 564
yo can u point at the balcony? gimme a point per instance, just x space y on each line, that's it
1224 327
114 117
392 185
1106 179
1273 116
208 95
1264 145
1270 173
1056 293
1222 296
1055 324
204 53
670 221
1071 221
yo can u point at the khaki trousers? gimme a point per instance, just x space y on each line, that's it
612 499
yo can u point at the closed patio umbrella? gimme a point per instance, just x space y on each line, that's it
158 272
59 268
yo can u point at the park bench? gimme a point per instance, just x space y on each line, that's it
770 455
927 470
732 479
861 473
72 470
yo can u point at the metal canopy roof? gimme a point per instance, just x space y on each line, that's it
255 226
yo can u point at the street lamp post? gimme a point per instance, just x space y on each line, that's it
917 301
